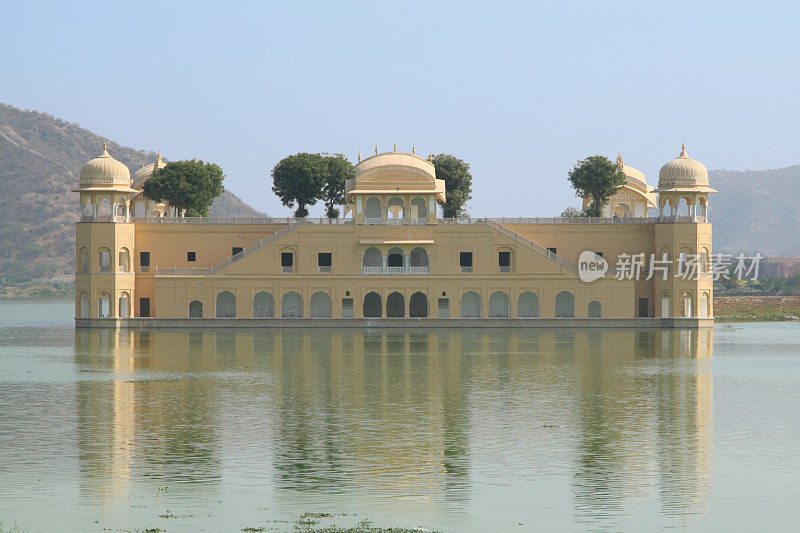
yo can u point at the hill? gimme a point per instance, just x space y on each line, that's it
756 211
40 159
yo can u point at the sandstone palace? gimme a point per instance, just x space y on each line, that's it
390 261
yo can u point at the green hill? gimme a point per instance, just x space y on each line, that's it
40 159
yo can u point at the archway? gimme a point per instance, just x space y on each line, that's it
395 305
104 260
665 306
124 260
595 309
419 209
528 305
83 260
418 261
372 261
395 260
291 305
418 305
263 305
470 305
195 309
373 306
704 308
395 209
565 305
499 305
686 305
372 208
226 305
104 305
320 305
83 305
124 305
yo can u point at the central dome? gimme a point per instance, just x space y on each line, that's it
141 175
104 170
683 171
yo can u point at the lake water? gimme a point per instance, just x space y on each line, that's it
476 430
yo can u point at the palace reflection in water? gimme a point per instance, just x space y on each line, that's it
612 415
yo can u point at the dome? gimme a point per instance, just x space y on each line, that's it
141 175
104 170
633 176
683 172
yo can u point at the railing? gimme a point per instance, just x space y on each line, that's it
505 268
527 242
371 221
286 269
395 221
576 220
144 268
466 269
241 220
104 218
191 271
419 221
293 224
395 271
324 270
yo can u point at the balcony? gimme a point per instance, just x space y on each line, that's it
287 269
395 221
395 271
505 268
324 270
466 269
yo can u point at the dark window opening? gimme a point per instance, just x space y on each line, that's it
395 260
553 251
504 259
236 249
324 259
191 256
144 259
465 259
599 254
144 307
644 307
287 259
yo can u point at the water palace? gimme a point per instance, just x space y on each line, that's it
391 261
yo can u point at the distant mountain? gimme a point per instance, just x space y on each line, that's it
40 159
756 211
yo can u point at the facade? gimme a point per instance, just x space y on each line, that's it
391 257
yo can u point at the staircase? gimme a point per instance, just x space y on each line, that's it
530 244
293 225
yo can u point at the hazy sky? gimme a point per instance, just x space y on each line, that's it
520 91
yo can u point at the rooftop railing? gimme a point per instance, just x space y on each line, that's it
242 220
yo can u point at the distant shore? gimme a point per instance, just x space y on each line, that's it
757 308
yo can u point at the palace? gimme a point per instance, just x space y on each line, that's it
391 261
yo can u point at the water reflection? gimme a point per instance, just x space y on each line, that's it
616 416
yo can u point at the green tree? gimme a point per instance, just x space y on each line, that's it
190 186
337 170
572 212
596 177
299 179
458 184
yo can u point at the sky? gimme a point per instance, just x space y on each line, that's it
519 90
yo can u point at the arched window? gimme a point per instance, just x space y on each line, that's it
103 305
395 305
418 305
372 210
120 208
419 210
226 305
470 305
320 305
499 305
83 260
138 209
565 305
104 209
418 261
195 309
373 307
124 305
395 209
83 305
88 209
528 305
124 260
686 305
701 207
263 305
291 305
395 260
372 262
704 308
595 309
665 305
104 260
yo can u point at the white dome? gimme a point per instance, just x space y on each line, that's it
682 172
104 170
141 175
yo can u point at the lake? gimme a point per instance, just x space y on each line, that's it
462 430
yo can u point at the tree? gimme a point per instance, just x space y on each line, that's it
458 184
337 170
597 178
572 212
299 179
189 186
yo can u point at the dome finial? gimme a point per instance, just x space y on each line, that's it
158 159
620 164
395 146
413 150
359 156
105 146
430 156
683 149
376 148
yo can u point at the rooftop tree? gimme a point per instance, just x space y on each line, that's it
596 177
299 179
189 186
337 170
458 184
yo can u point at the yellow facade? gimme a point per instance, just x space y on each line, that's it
390 258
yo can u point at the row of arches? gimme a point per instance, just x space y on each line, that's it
395 208
105 304
373 260
684 206
686 307
104 260
291 305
